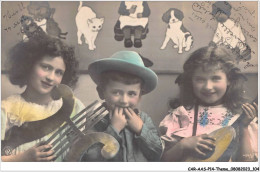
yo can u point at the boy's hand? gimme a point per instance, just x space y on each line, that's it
134 121
250 113
39 152
200 145
118 120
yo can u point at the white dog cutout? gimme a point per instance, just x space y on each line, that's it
180 36
88 25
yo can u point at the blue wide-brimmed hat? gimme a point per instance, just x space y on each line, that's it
128 62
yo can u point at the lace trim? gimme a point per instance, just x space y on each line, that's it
19 111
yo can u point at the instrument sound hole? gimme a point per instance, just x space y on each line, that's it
93 154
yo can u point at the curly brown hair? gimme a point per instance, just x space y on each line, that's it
24 55
219 58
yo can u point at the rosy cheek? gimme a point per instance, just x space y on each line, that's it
40 73
135 101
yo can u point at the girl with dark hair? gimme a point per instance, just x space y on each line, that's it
40 65
211 98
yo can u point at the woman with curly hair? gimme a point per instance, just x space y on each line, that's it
211 98
40 65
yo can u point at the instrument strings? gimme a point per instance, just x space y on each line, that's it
76 127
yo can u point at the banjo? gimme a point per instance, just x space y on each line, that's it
68 135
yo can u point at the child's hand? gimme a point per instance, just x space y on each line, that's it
250 113
39 152
132 9
134 121
200 145
118 120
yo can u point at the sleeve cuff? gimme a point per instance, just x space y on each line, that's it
143 133
111 130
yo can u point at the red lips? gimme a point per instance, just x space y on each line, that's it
46 84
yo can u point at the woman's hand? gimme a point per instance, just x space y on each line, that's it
118 120
250 113
134 122
200 145
39 152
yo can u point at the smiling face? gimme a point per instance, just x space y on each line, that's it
118 94
45 75
209 86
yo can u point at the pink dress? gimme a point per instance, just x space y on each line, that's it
179 123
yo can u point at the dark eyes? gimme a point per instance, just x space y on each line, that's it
213 78
116 93
216 78
59 72
132 94
46 67
95 26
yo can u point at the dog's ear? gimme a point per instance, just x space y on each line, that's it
178 14
166 16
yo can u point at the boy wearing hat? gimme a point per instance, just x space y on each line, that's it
121 81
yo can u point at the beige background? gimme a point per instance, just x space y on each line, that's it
197 20
167 63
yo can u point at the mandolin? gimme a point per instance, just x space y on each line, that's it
223 137
65 131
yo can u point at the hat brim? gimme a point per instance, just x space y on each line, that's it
147 75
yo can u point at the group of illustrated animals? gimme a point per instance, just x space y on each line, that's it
132 22
41 22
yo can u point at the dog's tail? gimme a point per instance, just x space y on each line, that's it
80 5
189 42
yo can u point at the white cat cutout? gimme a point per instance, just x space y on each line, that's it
88 25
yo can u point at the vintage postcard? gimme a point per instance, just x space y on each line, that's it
174 83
